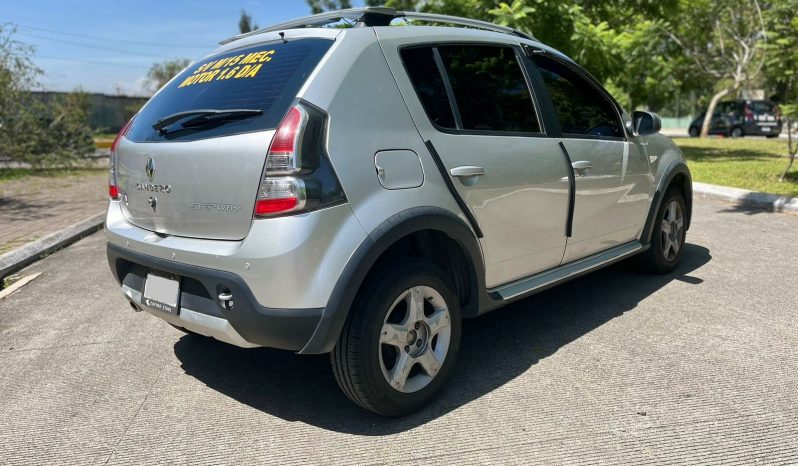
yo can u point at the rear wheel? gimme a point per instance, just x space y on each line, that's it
737 132
693 132
667 239
771 136
401 340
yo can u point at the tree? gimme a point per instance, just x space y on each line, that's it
790 115
160 73
68 134
622 44
41 131
781 64
320 6
723 39
245 23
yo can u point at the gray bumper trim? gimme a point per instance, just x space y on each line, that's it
196 322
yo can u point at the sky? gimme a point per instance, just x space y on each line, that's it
108 46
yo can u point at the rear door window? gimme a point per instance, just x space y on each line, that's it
487 88
263 77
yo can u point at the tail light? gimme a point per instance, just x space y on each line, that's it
749 115
297 174
113 189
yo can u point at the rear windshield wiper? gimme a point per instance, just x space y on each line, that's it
203 115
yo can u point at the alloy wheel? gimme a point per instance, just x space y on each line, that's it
414 339
671 234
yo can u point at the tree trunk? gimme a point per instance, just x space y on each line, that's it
711 110
791 150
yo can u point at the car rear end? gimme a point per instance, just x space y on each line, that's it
226 216
761 118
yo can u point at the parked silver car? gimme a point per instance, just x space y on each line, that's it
359 191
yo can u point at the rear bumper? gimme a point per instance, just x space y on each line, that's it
246 323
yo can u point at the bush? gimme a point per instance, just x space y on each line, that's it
41 133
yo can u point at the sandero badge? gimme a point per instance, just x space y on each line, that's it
149 170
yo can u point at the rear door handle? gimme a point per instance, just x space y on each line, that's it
467 170
582 167
468 174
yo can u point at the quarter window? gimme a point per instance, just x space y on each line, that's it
427 80
581 108
488 88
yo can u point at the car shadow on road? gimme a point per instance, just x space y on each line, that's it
496 348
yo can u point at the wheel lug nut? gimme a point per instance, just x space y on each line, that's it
407 349
418 326
418 343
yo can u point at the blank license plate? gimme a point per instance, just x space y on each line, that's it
161 293
765 129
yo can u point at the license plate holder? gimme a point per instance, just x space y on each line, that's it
161 292
765 129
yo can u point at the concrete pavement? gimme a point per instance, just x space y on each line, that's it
35 206
696 367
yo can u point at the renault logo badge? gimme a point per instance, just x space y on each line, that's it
149 169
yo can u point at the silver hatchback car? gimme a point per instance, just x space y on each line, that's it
360 190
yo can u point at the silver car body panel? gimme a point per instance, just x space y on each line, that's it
612 197
661 152
521 203
288 262
201 189
380 121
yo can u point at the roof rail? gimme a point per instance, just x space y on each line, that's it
377 16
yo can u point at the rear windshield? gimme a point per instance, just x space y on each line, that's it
264 77
762 107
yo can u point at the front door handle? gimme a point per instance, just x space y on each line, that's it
468 174
582 167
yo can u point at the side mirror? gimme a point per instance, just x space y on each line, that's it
646 123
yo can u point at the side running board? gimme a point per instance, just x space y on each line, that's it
565 272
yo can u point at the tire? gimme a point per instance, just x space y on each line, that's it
694 132
736 132
666 247
771 136
369 352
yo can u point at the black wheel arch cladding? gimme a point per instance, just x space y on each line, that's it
384 236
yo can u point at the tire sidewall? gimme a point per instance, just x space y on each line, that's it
388 287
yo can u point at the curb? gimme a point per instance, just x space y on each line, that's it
772 202
15 260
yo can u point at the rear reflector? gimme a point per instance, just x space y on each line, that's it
273 206
279 195
113 191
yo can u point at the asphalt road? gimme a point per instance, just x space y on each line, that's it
696 367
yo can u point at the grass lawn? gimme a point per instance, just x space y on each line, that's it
753 164
11 174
